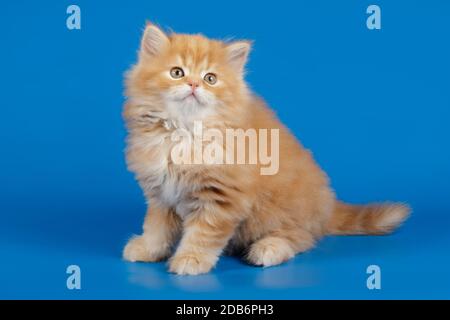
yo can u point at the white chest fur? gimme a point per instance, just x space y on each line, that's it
148 156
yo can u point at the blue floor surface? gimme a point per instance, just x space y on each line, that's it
413 262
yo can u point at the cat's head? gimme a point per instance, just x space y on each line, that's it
189 76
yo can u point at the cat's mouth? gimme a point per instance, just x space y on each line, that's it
192 95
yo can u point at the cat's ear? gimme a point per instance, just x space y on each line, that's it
237 54
153 41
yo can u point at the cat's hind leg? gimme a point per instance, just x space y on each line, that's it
274 249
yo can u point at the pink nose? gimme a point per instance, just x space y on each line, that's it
193 84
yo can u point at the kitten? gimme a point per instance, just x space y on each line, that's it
202 210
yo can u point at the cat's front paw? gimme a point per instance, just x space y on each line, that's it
139 249
191 264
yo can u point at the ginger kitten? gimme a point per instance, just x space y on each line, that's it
198 210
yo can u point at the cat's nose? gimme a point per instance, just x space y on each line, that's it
193 84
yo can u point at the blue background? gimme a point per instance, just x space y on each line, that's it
374 106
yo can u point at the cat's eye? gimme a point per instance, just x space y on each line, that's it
211 78
177 73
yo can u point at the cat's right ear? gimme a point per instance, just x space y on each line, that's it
153 41
237 53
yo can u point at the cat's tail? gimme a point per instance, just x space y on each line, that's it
367 219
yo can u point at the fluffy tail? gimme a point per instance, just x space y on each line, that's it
367 219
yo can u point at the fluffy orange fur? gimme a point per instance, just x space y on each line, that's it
196 212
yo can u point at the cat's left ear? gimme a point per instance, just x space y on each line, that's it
237 54
154 41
